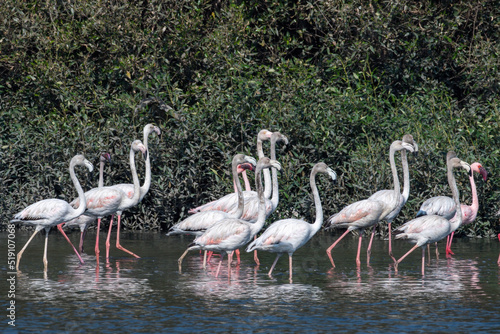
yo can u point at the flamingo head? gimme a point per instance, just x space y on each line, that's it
137 146
264 135
478 168
455 162
105 156
245 166
277 136
410 144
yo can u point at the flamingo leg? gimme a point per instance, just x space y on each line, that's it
358 261
437 251
448 244
220 263
204 259
59 227
108 238
97 239
20 254
255 257
237 255
369 250
290 264
45 261
118 241
179 261
329 250
209 256
274 264
82 236
423 261
402 257
229 258
390 243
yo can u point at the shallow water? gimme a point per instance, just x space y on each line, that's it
458 294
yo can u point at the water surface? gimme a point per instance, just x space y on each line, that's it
458 294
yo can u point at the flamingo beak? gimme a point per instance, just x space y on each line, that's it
483 173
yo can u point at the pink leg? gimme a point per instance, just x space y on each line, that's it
358 261
237 255
369 251
255 257
220 264
401 259
97 240
118 241
290 263
59 227
329 250
229 266
274 263
390 244
108 238
437 251
448 244
423 261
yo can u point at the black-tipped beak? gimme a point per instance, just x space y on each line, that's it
483 173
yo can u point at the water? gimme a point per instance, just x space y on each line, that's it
459 294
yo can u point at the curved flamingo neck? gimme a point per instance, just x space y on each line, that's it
81 194
317 202
406 176
257 226
101 174
237 184
475 201
457 221
147 177
275 189
126 201
246 181
267 173
395 177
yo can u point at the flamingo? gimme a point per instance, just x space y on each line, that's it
83 221
288 235
106 201
432 228
229 202
199 222
444 205
366 213
387 195
129 190
49 212
230 234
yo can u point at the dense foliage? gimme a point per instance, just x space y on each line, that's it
342 79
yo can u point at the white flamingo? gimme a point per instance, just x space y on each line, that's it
129 189
50 212
287 235
105 201
230 234
387 195
199 222
367 213
445 206
229 202
83 221
432 228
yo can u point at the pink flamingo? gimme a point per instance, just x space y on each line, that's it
129 190
366 213
51 212
288 235
432 228
230 234
199 222
229 202
445 206
83 221
387 195
106 201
